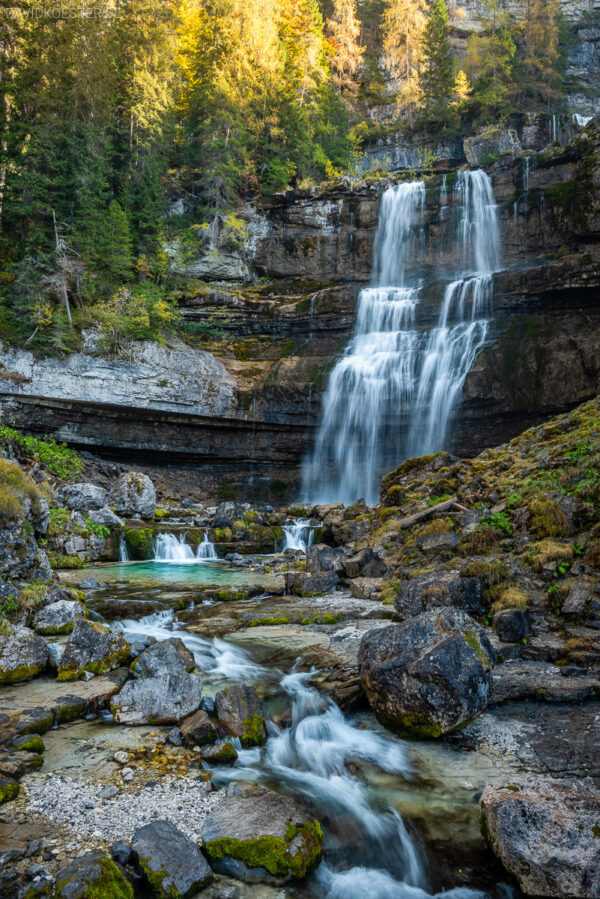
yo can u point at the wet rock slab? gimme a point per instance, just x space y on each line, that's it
171 863
522 679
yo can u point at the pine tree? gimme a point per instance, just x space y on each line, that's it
462 89
490 61
437 77
114 246
344 31
403 25
540 57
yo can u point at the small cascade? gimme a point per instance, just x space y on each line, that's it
176 550
392 394
206 549
582 120
298 534
123 553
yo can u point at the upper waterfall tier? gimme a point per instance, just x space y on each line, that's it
391 394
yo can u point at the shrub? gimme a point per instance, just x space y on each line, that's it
508 597
138 313
57 457
15 488
547 519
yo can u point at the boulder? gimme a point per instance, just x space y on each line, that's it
134 494
83 497
9 789
219 754
302 583
366 563
55 654
164 657
438 544
198 729
18 551
240 714
437 589
491 143
157 700
321 558
428 675
169 861
58 617
90 876
94 648
366 588
255 834
23 654
546 835
513 625
106 517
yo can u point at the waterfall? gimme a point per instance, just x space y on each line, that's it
169 548
298 534
392 393
123 554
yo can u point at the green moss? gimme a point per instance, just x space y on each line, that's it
489 573
9 790
110 885
420 727
273 853
223 535
19 675
227 595
29 743
596 830
156 880
140 543
268 622
224 754
253 731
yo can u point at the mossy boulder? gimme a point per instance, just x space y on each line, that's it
139 543
219 754
429 675
171 864
28 743
9 789
23 654
58 617
256 834
133 494
92 647
93 876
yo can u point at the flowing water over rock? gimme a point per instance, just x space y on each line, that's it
169 548
298 534
392 394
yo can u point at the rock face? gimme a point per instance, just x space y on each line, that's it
490 144
94 874
366 563
436 589
302 583
258 835
158 700
171 864
546 834
429 675
58 617
240 714
94 648
165 657
320 558
83 497
513 625
134 494
23 654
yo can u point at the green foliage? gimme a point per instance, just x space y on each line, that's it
499 522
437 77
142 312
100 530
57 457
16 488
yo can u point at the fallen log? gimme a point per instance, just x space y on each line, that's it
439 507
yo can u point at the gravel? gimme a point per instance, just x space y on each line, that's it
184 800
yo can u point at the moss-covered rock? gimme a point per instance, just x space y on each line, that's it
262 836
92 647
140 543
9 789
93 876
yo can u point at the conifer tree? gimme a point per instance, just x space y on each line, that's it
540 57
344 31
437 77
490 60
403 24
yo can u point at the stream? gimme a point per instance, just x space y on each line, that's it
391 810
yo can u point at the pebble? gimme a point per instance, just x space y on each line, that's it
121 757
184 800
127 774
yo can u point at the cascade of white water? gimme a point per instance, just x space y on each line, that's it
298 534
123 554
170 548
391 394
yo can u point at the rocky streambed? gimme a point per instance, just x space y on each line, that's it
405 705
